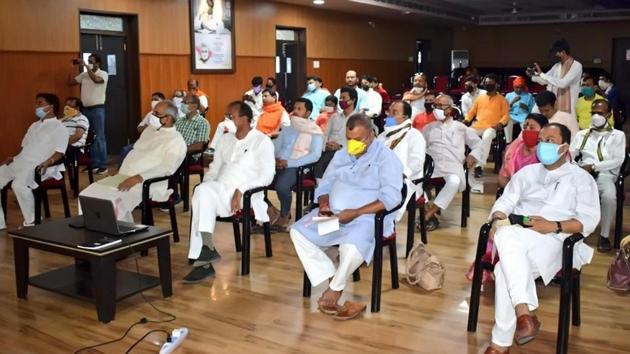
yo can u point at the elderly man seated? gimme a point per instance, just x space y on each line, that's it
242 161
76 123
446 141
553 199
298 144
600 151
158 152
362 179
43 145
408 144
193 127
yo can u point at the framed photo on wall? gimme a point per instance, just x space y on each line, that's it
212 36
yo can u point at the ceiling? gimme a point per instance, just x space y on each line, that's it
484 12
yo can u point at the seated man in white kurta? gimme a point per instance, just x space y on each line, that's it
446 143
242 161
362 179
408 144
44 144
560 199
158 152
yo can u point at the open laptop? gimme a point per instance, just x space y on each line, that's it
99 216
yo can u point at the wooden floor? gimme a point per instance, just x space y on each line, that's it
266 313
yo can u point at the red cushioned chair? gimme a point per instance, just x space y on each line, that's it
440 83
377 268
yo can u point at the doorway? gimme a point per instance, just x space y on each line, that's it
290 64
621 73
115 38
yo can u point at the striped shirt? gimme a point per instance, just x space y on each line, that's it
72 123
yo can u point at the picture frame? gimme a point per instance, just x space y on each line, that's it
212 39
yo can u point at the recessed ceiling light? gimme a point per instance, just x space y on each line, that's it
319 2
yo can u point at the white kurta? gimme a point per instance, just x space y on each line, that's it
374 103
411 151
157 153
468 99
567 192
238 164
571 80
446 144
612 146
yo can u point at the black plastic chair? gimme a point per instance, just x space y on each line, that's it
304 189
621 197
429 165
191 167
569 288
41 194
148 205
75 158
377 267
245 216
498 148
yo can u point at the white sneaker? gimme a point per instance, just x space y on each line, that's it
477 188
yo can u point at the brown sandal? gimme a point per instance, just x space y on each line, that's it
349 310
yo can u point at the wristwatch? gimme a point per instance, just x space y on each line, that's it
559 228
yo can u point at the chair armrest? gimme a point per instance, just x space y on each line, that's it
567 252
146 185
248 193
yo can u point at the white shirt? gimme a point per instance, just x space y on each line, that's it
468 99
203 102
336 129
151 120
553 81
374 103
92 94
257 106
567 192
612 146
72 123
446 144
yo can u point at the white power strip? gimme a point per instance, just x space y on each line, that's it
177 337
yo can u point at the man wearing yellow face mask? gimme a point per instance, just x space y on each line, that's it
362 179
76 123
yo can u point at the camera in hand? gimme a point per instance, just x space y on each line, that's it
530 71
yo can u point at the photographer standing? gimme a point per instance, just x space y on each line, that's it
93 87
564 77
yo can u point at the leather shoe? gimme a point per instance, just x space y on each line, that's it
491 350
527 328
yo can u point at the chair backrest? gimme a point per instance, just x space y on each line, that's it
429 166
440 83
625 167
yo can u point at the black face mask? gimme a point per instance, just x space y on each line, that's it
269 86
365 87
491 87
470 88
428 106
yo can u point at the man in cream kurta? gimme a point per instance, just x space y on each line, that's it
243 161
446 143
602 150
560 199
45 142
158 152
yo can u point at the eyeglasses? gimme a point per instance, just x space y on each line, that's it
159 116
438 106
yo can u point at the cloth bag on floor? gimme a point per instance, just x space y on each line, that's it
424 269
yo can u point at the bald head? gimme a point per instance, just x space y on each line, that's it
351 78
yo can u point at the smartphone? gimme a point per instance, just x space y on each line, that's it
530 71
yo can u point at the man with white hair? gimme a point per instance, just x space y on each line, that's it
352 81
444 140
158 152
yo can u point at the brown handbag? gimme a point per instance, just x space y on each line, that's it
619 271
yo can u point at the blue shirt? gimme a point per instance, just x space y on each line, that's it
284 147
318 98
518 113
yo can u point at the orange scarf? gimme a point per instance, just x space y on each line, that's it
269 119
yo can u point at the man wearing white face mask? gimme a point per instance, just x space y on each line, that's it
446 143
43 145
225 127
551 200
149 119
316 94
600 151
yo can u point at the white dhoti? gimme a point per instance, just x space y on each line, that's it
451 187
212 199
525 255
608 200
487 135
319 267
124 202
22 177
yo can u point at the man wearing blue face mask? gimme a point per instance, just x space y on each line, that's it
44 144
584 103
600 151
559 199
316 94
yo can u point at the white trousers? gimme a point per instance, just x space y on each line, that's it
210 199
446 195
515 276
487 135
319 267
508 130
608 200
124 202
23 194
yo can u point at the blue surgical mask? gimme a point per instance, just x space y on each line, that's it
185 108
311 87
390 121
547 153
40 112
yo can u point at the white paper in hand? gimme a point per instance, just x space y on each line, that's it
326 224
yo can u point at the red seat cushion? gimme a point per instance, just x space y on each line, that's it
239 213
52 183
170 200
308 183
390 237
84 160
437 181
194 169
421 201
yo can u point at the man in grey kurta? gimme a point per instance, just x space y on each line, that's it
363 178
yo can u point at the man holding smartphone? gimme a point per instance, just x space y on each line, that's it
93 83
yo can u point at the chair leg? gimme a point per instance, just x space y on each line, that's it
3 201
393 263
356 275
64 200
90 174
46 204
38 205
306 289
423 227
377 272
619 219
245 252
411 223
267 232
185 191
171 211
475 291
562 343
236 227
75 181
575 299
465 199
